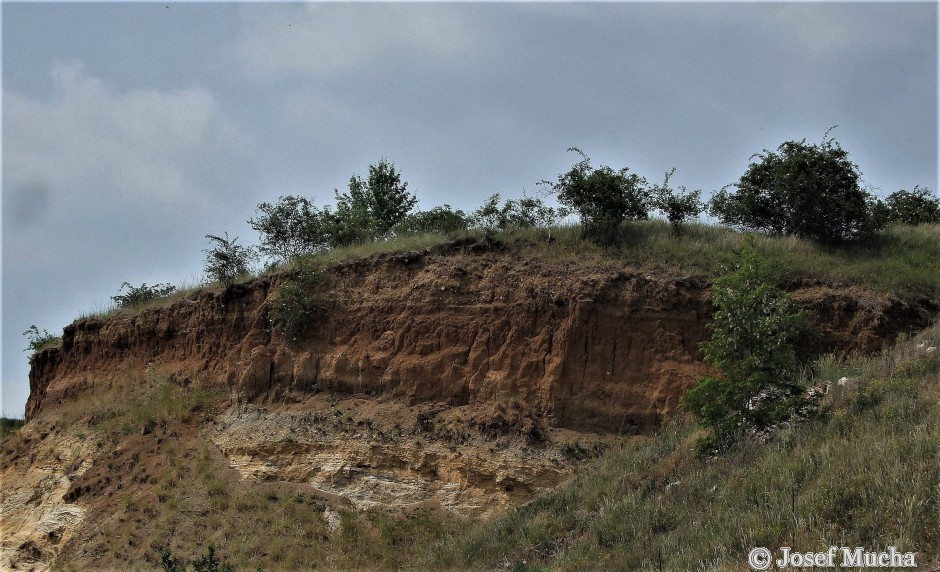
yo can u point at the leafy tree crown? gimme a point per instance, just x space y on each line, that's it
290 227
913 207
372 207
226 260
806 190
604 198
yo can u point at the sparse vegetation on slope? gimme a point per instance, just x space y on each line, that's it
140 295
40 340
754 329
899 260
863 473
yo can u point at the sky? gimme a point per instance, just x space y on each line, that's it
132 130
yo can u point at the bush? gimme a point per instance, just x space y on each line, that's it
439 220
39 341
810 191
603 198
677 205
291 227
205 563
142 294
371 208
295 306
226 261
527 212
754 327
913 207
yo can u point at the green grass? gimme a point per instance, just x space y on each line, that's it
182 292
406 243
899 260
139 403
864 473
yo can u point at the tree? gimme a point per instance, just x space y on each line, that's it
371 208
754 327
810 191
603 198
677 204
227 260
290 227
913 207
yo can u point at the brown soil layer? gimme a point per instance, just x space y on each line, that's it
467 323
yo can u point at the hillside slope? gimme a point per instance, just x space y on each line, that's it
863 473
455 380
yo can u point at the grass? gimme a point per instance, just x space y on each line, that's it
862 474
409 242
137 404
181 493
182 292
899 260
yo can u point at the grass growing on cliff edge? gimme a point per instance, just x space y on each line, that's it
898 260
862 474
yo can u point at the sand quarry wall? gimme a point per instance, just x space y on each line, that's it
589 347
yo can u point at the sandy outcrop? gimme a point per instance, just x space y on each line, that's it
588 347
35 517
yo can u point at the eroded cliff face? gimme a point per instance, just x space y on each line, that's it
464 378
587 347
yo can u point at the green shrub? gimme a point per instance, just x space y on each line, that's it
226 261
39 341
208 562
810 191
754 327
677 205
913 207
292 226
9 426
603 198
295 306
137 295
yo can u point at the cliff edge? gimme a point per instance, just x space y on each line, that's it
589 348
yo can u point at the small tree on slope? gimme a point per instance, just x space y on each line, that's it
754 327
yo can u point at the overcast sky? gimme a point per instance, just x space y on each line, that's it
132 130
